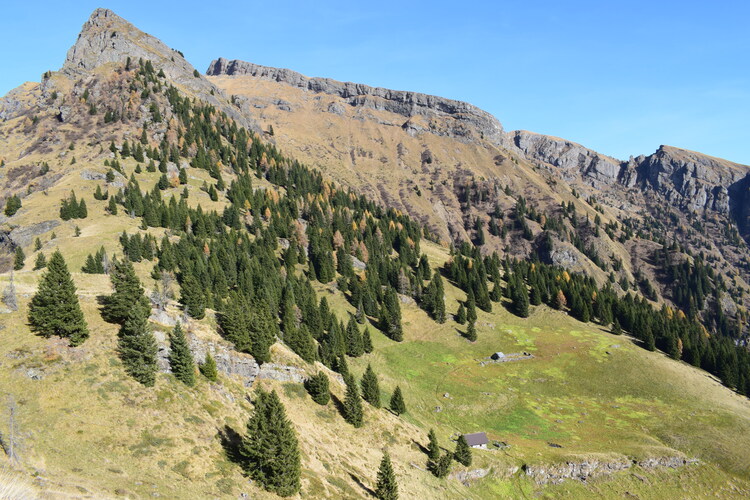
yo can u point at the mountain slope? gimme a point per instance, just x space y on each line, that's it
583 403
450 171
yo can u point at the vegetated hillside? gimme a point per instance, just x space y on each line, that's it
451 166
281 274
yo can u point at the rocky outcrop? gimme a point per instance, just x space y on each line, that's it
690 180
228 361
581 471
684 179
469 476
572 159
107 38
407 104
24 236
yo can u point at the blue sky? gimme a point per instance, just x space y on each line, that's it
618 77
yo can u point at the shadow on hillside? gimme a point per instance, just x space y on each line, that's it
362 485
231 441
339 405
420 446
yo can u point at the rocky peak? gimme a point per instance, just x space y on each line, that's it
408 104
691 180
107 38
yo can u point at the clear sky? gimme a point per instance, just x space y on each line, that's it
621 77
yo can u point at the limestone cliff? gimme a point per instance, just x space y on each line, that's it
467 119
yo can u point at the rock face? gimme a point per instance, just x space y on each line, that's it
108 38
684 179
24 236
228 361
581 471
573 159
407 104
690 180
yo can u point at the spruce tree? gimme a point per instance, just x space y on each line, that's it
354 345
471 332
208 368
82 212
367 341
19 259
128 294
433 448
386 487
180 358
41 262
12 205
370 387
301 342
360 315
192 297
462 454
137 347
397 402
471 310
461 314
54 309
352 403
318 388
616 328
442 466
270 450
263 331
112 206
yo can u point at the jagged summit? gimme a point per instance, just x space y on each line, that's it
405 103
108 38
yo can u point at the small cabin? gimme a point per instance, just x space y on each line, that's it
498 355
477 440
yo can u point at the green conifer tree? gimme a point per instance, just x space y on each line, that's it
318 388
41 262
441 467
19 259
12 205
433 448
367 341
192 297
354 344
137 347
352 403
461 314
398 406
180 358
128 294
386 487
462 454
208 368
471 332
270 449
300 341
360 314
54 309
370 387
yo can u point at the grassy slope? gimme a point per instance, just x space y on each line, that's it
84 421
